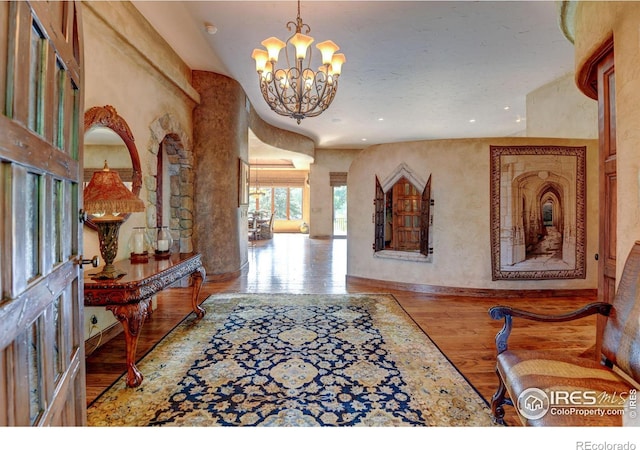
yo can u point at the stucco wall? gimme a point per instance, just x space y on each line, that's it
559 109
595 23
461 226
131 68
221 140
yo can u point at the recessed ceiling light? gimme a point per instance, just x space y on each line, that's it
380 119
211 29
364 139
472 120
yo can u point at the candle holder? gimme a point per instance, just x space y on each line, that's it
139 245
163 243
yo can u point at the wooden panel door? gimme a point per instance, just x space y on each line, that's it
608 186
407 205
42 378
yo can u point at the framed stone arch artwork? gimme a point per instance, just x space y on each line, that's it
537 212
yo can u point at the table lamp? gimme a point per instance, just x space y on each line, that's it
105 199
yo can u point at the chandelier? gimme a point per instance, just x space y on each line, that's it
256 191
296 90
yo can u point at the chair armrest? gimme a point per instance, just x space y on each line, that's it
507 313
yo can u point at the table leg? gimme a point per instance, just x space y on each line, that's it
131 316
197 278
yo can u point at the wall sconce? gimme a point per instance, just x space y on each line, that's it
106 198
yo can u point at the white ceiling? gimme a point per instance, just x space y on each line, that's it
415 70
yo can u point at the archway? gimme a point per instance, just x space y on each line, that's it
170 185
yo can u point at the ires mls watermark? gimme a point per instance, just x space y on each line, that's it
534 403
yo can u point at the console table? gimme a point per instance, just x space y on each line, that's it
128 297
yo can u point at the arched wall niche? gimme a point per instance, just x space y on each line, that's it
403 171
170 189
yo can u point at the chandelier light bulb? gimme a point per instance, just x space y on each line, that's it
267 75
308 83
309 76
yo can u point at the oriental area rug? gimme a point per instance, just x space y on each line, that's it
295 360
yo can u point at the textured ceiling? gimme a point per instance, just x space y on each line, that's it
415 70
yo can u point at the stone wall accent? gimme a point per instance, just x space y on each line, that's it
167 133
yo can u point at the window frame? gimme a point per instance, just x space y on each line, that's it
254 202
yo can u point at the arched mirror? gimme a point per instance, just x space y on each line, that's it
107 137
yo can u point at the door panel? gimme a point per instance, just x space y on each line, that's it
425 218
42 378
608 186
407 205
379 218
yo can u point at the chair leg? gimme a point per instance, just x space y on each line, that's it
498 401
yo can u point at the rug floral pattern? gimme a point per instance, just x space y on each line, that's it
295 360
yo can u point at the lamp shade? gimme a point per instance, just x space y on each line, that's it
327 48
273 46
107 194
337 61
301 42
261 57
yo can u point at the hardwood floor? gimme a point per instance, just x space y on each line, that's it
460 326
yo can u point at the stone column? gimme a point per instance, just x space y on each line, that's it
220 134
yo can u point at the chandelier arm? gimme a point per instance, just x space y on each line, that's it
326 104
279 100
269 96
275 100
299 87
320 96
287 95
278 93
317 98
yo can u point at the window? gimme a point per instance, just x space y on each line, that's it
403 217
38 49
338 183
284 202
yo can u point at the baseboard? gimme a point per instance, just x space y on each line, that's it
224 276
104 336
381 285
